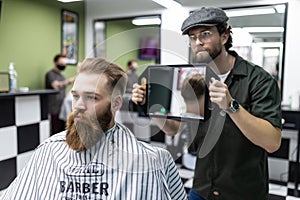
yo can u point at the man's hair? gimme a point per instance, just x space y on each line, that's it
58 56
130 62
116 76
193 85
225 28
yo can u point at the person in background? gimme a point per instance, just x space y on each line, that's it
132 65
55 80
66 106
237 166
96 157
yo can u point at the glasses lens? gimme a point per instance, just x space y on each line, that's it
193 38
203 37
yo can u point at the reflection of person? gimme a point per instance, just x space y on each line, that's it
96 157
192 91
132 65
55 80
237 166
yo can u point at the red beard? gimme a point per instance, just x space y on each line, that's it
88 131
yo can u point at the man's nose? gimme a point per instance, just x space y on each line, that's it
198 41
79 105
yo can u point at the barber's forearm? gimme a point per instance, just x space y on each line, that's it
257 130
60 84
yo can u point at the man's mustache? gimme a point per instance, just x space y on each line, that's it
77 114
72 137
83 134
89 120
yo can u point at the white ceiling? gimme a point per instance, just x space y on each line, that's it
149 5
131 8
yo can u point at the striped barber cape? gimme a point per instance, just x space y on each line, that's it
117 167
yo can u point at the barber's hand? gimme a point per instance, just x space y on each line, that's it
219 94
139 93
71 80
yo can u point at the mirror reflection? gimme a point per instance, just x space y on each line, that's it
178 91
259 34
139 36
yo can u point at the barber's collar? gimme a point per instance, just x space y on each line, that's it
238 69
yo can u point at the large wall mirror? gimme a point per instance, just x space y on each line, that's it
259 35
121 40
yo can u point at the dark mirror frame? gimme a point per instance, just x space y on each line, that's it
162 81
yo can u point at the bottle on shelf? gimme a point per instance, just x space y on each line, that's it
13 77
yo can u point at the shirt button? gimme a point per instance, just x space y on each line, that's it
216 193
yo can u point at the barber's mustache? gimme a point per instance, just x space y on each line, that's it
200 48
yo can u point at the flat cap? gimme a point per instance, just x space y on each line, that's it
206 16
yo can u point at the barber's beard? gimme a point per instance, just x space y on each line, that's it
216 51
83 134
210 54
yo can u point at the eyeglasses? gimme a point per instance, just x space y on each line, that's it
204 36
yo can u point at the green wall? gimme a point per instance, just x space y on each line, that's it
30 36
123 41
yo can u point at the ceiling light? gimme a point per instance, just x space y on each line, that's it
170 4
250 11
68 1
141 21
263 29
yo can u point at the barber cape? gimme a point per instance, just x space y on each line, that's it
117 167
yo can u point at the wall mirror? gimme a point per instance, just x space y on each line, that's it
259 35
123 39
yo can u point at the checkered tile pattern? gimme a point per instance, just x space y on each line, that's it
23 125
277 190
22 132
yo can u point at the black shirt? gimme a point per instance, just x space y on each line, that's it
237 169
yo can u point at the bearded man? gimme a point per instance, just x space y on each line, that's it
96 157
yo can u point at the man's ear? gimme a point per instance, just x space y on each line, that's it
116 103
224 37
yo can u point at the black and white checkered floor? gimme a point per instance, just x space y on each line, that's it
277 191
